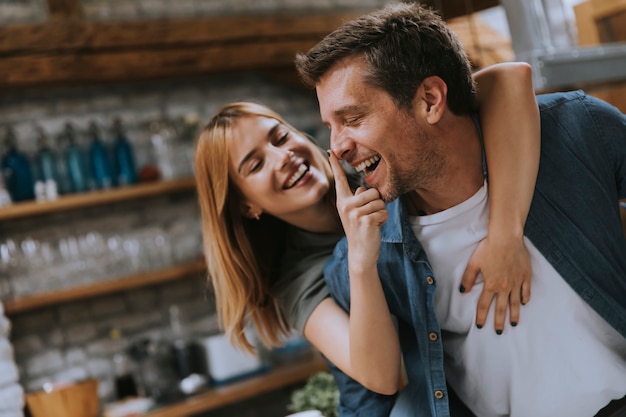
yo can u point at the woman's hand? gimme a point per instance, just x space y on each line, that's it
505 266
362 214
374 346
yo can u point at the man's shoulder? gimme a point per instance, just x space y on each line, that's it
551 100
579 109
571 101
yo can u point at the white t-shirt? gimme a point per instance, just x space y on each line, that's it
562 359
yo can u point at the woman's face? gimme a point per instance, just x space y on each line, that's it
277 170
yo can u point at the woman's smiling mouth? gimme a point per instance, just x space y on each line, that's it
296 176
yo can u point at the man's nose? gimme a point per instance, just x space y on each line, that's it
340 144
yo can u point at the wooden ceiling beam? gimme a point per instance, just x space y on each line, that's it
24 71
83 36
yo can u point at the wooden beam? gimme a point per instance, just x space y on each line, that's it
75 51
72 36
65 9
147 64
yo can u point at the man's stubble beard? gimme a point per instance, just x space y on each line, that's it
424 165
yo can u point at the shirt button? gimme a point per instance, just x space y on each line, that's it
433 336
438 394
430 280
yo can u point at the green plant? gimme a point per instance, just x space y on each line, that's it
319 393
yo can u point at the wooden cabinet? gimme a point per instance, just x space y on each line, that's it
600 22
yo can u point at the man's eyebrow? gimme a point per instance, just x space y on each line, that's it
352 108
270 134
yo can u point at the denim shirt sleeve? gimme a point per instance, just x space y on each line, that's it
354 400
611 131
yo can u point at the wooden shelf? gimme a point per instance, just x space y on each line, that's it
279 377
28 303
95 198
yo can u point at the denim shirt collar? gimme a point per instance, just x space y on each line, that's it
391 231
398 230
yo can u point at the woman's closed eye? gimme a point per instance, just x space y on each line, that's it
255 165
282 139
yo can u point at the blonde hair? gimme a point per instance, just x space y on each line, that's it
241 254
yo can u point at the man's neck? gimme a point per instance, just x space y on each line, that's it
463 171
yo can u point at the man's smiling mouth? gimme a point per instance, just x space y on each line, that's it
302 170
368 165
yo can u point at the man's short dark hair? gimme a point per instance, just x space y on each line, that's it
402 44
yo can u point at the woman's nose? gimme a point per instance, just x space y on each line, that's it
285 156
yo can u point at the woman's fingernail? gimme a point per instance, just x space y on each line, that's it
480 326
498 332
513 323
328 152
462 288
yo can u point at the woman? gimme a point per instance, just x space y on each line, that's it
266 195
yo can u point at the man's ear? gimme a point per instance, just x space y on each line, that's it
433 93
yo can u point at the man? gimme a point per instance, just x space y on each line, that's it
395 89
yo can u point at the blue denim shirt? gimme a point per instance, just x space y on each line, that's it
574 221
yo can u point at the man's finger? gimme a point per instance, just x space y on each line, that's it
341 182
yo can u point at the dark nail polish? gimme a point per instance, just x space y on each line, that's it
328 153
462 288
513 323
498 332
480 326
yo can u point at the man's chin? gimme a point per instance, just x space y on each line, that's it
386 190
386 194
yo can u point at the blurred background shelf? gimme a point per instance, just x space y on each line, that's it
95 198
32 302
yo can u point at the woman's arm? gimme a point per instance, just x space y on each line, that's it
328 329
364 345
505 94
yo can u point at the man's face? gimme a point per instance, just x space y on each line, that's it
389 145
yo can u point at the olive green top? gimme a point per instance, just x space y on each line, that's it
300 286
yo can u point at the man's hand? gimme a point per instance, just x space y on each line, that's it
505 266
362 214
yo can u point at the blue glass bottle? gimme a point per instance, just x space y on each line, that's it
124 157
46 159
78 177
17 170
99 159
